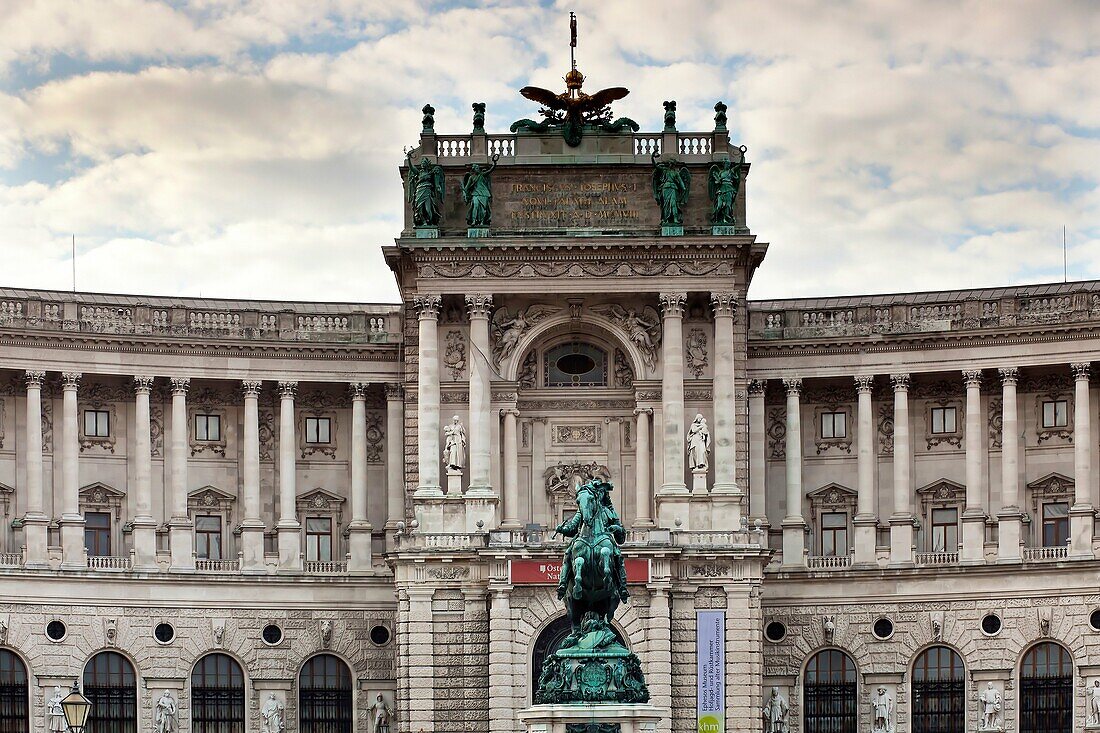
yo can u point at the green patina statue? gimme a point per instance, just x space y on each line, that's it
425 192
592 665
723 182
477 192
671 186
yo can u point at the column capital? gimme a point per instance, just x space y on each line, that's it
393 391
70 380
1081 370
251 387
358 390
427 306
287 389
865 383
972 378
793 386
143 384
672 304
724 304
647 411
509 411
1009 375
900 382
757 386
34 378
479 305
180 385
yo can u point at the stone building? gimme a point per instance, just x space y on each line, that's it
245 504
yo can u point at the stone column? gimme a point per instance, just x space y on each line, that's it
643 489
758 465
672 392
502 677
72 523
359 529
794 524
35 521
480 449
289 529
427 403
252 524
1008 518
539 499
901 521
725 405
180 537
865 521
658 640
395 456
973 518
1082 516
145 527
511 470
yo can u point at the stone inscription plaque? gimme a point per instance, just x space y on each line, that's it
574 204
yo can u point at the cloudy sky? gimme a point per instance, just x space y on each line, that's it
249 148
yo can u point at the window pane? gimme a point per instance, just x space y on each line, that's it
323 430
89 422
834 519
103 426
827 425
207 523
840 427
317 525
311 430
214 427
1055 510
949 420
1061 413
200 427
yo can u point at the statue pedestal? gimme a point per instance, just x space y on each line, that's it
723 230
477 232
671 231
592 718
454 482
427 232
699 481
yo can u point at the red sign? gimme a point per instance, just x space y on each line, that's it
548 572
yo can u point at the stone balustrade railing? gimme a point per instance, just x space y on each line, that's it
948 311
109 562
325 567
829 562
936 559
441 541
245 320
720 538
217 566
1044 554
11 559
687 145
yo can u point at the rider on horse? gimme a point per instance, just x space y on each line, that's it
599 521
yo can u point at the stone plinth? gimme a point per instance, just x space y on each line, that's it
454 481
582 718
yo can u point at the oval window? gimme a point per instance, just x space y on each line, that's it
577 364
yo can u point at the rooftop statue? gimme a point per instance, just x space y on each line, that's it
671 186
425 191
723 182
592 665
477 192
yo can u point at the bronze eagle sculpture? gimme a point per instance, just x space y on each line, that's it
573 109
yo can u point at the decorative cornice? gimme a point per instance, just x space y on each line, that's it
793 386
287 389
427 306
251 387
865 383
900 382
180 385
672 304
143 384
1009 375
70 380
34 378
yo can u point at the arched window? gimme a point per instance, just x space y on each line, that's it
324 696
111 686
549 641
576 364
939 694
14 715
217 695
1046 689
830 693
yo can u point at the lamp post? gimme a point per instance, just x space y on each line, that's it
76 708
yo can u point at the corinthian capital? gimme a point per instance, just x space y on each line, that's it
393 391
479 305
1009 375
757 386
143 384
34 378
251 387
428 306
793 385
972 378
287 389
70 380
724 304
865 383
900 382
358 390
180 385
1081 370
672 304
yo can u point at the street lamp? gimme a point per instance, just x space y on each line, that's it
76 708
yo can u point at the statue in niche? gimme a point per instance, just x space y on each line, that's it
990 701
698 441
164 717
454 447
382 714
272 713
477 192
528 371
1093 694
624 375
55 715
643 330
425 191
882 712
723 182
671 186
695 352
508 330
775 713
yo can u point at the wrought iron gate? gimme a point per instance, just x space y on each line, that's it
217 710
830 707
1046 704
325 711
14 716
114 709
939 706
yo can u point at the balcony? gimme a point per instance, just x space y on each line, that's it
1045 554
829 562
936 559
217 566
110 562
325 567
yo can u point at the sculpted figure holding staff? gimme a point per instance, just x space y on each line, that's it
477 192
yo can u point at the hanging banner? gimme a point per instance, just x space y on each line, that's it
548 572
710 660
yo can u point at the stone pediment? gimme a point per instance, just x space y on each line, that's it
209 496
942 490
1053 484
832 494
5 489
319 498
100 493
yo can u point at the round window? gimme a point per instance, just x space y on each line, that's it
883 628
55 630
164 633
991 624
576 364
272 634
1094 620
380 635
775 631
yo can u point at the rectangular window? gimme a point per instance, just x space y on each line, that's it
97 533
1055 524
945 530
834 534
208 427
97 423
208 537
1055 414
833 425
318 430
319 538
943 420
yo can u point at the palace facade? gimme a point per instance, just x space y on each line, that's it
245 504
